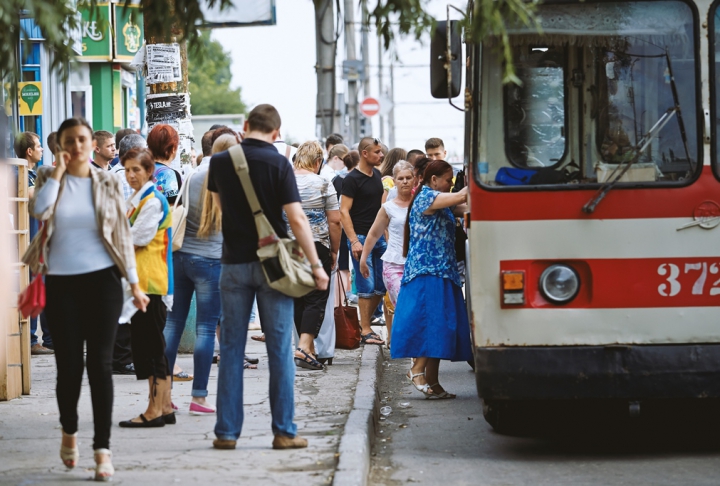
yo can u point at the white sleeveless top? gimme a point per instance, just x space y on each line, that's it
396 232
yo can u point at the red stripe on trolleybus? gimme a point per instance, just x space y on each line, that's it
620 203
627 283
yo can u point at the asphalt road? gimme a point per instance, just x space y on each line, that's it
448 442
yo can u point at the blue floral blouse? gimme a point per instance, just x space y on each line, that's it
432 241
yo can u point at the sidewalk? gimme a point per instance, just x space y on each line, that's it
182 453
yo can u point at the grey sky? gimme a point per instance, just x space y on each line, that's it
276 65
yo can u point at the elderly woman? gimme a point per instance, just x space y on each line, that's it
320 204
391 218
431 321
83 209
151 226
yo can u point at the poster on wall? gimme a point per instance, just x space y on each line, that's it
173 110
30 98
163 63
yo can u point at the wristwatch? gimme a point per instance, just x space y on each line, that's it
316 265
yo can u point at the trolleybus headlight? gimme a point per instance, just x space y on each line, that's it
559 284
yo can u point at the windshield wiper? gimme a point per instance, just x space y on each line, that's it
644 143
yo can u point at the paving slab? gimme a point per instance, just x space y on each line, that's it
182 453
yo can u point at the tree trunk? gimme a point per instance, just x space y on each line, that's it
168 98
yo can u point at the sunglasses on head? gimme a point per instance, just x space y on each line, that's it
375 141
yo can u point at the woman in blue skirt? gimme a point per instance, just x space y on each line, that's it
431 321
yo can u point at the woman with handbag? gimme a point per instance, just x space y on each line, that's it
320 204
151 226
196 269
391 218
83 208
431 321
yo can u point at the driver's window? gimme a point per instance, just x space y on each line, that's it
535 121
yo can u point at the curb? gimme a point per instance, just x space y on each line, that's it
354 451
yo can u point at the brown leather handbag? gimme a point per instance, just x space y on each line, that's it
347 323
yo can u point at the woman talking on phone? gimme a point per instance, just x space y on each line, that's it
83 208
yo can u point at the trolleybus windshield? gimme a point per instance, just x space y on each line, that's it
596 97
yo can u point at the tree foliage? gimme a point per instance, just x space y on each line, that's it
172 18
209 77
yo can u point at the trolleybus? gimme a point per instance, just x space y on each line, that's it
593 241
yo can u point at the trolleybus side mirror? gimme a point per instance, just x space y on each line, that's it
446 60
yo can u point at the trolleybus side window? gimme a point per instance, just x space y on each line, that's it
535 110
608 94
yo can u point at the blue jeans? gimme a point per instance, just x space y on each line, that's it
373 285
201 275
239 285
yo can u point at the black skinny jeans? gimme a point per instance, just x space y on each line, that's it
310 309
84 308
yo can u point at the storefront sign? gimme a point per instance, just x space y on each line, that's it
96 35
30 98
128 31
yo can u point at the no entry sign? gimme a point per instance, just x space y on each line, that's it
369 107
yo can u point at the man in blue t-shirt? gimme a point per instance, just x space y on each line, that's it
242 278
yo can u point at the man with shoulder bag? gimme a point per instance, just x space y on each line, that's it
243 277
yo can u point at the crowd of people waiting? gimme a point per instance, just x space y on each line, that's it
388 213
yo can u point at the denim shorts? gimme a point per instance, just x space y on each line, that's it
373 285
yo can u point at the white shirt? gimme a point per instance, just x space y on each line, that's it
327 173
396 233
282 149
119 171
76 246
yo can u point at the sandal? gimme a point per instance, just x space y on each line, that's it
260 338
308 362
104 471
69 455
442 395
251 360
249 366
183 376
371 336
424 389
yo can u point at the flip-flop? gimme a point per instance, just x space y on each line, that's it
251 360
371 335
260 338
249 366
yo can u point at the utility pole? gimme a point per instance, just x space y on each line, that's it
168 99
391 115
365 47
380 87
326 45
352 95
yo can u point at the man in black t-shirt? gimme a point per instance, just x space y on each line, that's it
242 278
362 192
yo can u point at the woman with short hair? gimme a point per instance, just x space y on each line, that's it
320 204
151 225
391 218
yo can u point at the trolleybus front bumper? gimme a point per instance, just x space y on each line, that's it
613 371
